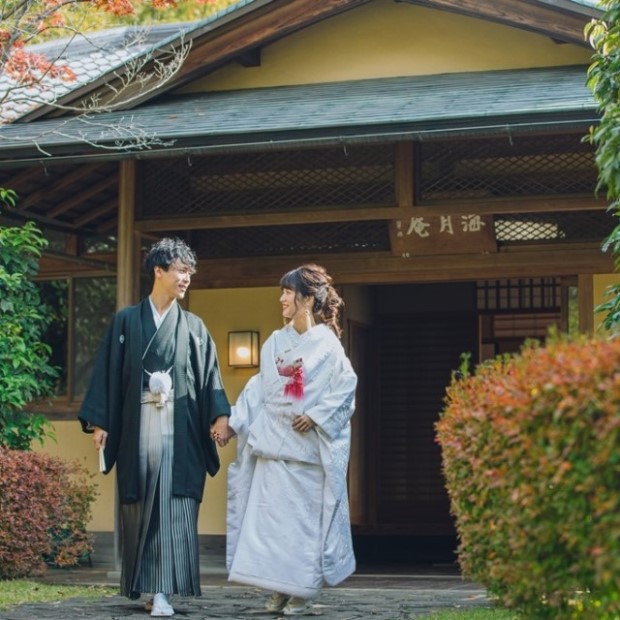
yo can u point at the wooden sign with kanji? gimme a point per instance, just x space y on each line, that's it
443 234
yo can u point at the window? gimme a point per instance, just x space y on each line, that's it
81 310
512 311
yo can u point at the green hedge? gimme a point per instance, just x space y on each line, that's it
531 456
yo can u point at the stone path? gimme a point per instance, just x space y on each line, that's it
239 603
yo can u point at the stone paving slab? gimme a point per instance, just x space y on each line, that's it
242 603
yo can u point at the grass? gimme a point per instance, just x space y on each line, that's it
19 591
472 614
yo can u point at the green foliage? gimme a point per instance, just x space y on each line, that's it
603 79
7 196
531 456
44 508
25 374
604 82
470 614
611 308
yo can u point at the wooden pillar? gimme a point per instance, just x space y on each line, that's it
126 268
127 277
586 303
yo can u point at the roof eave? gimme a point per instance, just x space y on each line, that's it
560 20
570 121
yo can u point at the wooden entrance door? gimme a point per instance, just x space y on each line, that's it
416 356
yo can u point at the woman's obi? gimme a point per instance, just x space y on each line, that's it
272 435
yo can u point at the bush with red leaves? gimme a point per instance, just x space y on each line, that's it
44 508
531 455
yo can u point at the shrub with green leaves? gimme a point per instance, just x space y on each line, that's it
25 372
604 81
44 509
531 457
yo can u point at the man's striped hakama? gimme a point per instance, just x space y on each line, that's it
159 533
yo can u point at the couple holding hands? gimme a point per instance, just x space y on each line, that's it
157 408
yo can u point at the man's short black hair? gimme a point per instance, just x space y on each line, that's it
167 251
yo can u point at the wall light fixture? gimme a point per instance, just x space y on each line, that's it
243 349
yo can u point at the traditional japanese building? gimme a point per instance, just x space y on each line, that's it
429 153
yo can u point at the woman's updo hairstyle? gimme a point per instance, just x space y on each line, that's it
313 280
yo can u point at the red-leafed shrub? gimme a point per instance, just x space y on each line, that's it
531 456
44 509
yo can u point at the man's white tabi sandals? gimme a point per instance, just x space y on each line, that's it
161 607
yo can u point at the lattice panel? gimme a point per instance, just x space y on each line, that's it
519 294
268 182
284 240
520 166
556 226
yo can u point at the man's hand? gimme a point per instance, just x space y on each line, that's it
100 437
303 423
221 432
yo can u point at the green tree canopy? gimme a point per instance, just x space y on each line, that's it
604 82
25 374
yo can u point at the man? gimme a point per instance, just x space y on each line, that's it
155 404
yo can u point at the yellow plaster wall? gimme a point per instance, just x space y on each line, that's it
225 310
72 444
387 39
600 282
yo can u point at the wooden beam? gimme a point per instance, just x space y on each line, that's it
93 214
513 205
125 272
63 182
15 181
383 268
534 17
25 214
54 264
72 243
375 212
81 196
271 219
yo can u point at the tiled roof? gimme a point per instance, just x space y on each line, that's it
92 56
390 108
89 57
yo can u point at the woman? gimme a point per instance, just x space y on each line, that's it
288 513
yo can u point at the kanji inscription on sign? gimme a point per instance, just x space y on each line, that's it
442 234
